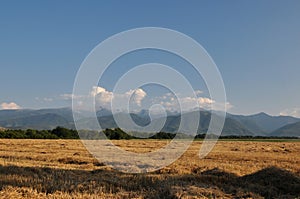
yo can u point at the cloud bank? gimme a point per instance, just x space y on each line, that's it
295 112
10 106
139 99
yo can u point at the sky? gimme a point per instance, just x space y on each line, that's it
255 44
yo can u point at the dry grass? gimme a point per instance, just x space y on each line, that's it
64 169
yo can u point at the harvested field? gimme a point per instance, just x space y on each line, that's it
234 169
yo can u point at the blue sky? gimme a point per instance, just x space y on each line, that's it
255 44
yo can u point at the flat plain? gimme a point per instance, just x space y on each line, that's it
234 169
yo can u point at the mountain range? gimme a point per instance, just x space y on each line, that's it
260 124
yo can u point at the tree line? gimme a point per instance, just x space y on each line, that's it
112 134
57 133
64 133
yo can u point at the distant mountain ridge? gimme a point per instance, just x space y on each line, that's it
260 124
288 130
36 119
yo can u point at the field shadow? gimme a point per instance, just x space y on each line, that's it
271 182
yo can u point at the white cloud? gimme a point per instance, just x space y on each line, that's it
101 94
66 96
198 92
48 99
295 112
171 102
204 100
229 105
138 96
219 106
10 105
97 90
193 102
104 98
